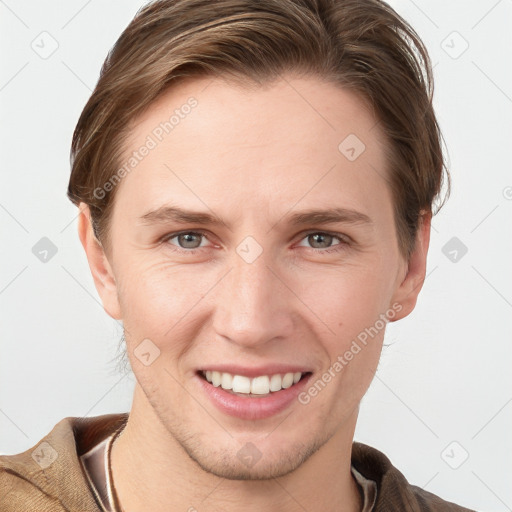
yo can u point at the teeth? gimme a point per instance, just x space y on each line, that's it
241 384
226 381
261 385
275 382
287 380
216 379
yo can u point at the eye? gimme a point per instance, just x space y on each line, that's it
325 241
188 241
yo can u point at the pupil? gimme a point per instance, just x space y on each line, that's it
319 236
187 237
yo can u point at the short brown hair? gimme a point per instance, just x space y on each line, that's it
361 45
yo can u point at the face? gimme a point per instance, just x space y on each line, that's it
257 286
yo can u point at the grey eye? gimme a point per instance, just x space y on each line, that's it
188 240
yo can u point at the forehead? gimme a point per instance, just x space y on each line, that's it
209 141
306 106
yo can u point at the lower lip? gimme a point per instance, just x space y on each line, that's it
252 408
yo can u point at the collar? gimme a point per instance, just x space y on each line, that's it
51 471
96 464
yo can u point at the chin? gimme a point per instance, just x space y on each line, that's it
246 461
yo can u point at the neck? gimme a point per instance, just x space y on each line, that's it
151 471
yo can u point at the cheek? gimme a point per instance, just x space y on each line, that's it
355 309
156 299
353 304
160 301
347 299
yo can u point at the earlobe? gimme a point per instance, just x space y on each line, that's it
407 292
99 265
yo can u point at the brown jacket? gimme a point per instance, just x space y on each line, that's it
48 477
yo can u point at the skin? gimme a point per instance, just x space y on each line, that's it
252 157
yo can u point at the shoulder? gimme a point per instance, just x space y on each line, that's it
48 476
394 492
17 494
23 486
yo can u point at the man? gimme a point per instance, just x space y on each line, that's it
256 182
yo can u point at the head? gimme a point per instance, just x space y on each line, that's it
255 115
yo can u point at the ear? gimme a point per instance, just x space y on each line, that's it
101 269
408 290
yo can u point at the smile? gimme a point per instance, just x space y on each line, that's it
260 385
252 393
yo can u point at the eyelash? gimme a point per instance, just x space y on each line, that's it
341 238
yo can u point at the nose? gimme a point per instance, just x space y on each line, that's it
254 303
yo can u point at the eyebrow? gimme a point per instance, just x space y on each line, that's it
166 214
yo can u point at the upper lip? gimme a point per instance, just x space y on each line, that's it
255 371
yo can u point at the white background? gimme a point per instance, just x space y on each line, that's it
446 374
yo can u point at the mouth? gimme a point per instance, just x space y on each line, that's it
260 386
250 392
